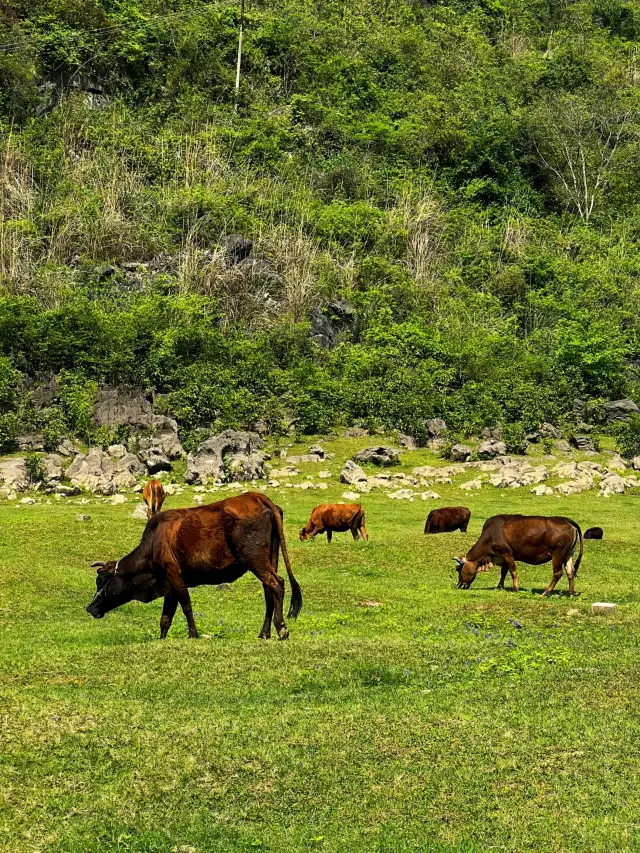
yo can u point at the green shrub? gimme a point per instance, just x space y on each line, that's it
628 437
514 437
36 468
9 431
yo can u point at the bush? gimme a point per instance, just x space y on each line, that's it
9 431
36 468
514 437
628 437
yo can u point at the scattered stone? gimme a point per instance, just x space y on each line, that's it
603 607
369 604
351 496
542 491
288 471
236 249
460 452
490 449
430 496
355 432
563 446
275 484
471 485
231 456
402 495
352 474
67 448
66 491
617 463
381 456
322 486
198 499
116 500
31 443
100 473
53 468
140 512
566 469
83 518
612 484
27 501
316 450
324 475
635 463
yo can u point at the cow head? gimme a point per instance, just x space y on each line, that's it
115 587
304 535
467 571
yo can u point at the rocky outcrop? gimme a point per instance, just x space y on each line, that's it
100 473
407 441
154 459
128 407
352 474
355 432
328 323
436 427
236 249
620 410
232 456
582 442
381 456
546 430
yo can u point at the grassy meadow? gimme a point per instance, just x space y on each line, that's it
401 715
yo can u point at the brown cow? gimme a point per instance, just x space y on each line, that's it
154 496
211 544
448 519
534 539
330 518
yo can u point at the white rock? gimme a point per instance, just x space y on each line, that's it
274 484
566 469
350 496
117 451
430 496
612 484
27 501
140 512
617 463
603 607
324 475
116 499
541 491
635 464
198 499
471 485
402 495
322 486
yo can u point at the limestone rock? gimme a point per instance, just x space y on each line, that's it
407 442
471 485
355 432
402 495
490 449
351 496
436 427
155 460
620 410
53 467
612 484
13 474
460 452
352 474
616 463
100 473
430 496
117 451
542 491
231 456
381 456
581 442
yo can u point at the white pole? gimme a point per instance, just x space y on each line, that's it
239 63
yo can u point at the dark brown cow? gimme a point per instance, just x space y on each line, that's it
594 533
154 496
211 544
448 519
533 539
335 518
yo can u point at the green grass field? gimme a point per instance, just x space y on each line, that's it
440 720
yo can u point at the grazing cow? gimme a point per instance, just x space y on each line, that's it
594 533
154 496
211 544
335 518
534 539
448 519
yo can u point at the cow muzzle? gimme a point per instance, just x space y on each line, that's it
92 610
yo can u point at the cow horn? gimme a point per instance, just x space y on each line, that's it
98 565
459 563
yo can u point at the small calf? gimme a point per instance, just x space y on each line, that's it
594 533
447 519
154 496
330 518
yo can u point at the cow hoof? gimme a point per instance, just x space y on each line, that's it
283 635
264 636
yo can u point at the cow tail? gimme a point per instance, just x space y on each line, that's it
296 593
581 537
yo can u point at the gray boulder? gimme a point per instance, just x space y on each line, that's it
119 406
352 474
493 433
355 432
407 441
31 443
229 457
620 410
382 456
236 248
545 430
13 474
460 453
67 448
327 323
436 427
154 459
490 449
53 467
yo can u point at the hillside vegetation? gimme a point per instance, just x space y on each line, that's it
463 175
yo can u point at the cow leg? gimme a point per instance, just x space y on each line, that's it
275 584
510 563
168 612
265 634
570 570
354 532
363 531
503 575
184 598
557 574
329 535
